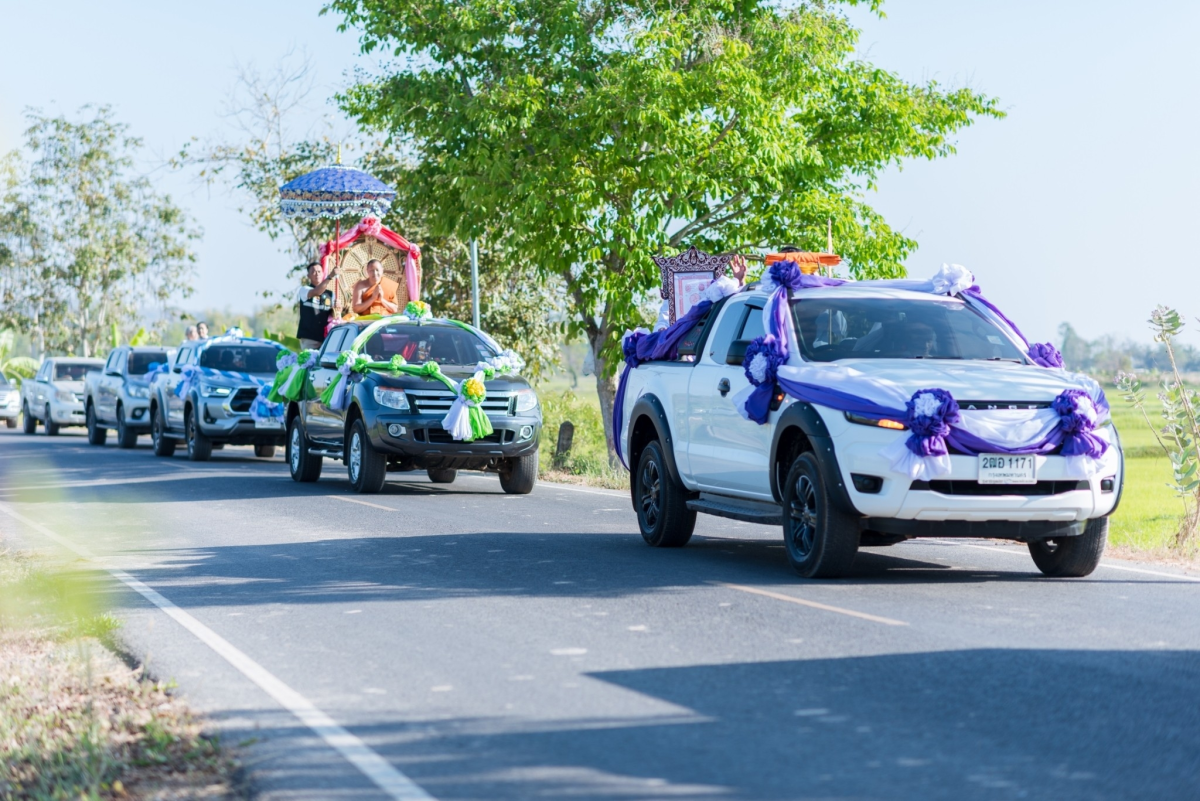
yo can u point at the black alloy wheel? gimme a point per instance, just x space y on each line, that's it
305 467
96 435
1072 557
163 445
28 421
126 437
199 446
50 427
820 539
660 502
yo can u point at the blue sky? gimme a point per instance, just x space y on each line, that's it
1080 206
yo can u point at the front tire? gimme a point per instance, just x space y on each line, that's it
518 476
1072 557
367 467
661 502
444 475
28 421
49 425
304 466
264 451
96 434
126 437
10 422
820 539
199 446
163 445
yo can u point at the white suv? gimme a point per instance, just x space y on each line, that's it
837 473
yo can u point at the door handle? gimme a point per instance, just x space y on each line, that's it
723 387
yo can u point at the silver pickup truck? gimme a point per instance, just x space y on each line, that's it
119 395
54 397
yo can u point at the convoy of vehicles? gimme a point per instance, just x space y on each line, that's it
203 397
818 472
54 396
394 422
118 396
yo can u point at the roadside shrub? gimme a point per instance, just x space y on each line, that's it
588 458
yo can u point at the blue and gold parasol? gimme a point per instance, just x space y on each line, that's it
334 192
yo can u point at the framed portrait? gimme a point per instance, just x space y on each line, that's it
686 276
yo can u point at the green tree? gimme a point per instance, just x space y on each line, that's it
89 241
591 135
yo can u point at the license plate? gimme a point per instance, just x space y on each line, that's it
268 422
997 468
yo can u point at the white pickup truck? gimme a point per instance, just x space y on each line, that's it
54 396
829 476
119 395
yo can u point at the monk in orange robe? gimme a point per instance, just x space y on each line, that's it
376 293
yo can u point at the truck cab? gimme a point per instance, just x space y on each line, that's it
118 396
203 399
393 423
54 396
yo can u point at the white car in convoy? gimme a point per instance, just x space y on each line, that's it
836 476
54 396
10 402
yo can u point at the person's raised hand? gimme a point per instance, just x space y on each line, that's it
738 266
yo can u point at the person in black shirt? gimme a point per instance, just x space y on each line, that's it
316 304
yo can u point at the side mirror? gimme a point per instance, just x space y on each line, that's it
329 362
176 369
113 373
737 352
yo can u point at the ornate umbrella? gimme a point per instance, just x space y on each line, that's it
335 192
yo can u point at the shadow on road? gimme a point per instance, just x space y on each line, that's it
988 723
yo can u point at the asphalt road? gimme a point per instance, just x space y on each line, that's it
472 645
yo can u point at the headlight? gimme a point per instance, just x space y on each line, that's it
11 398
138 391
210 391
391 398
65 395
526 400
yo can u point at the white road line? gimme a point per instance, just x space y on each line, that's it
573 488
116 482
1109 565
356 752
363 503
779 596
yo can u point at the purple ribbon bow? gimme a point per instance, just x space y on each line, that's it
929 414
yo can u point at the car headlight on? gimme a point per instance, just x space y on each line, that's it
527 400
862 420
391 398
211 391
138 391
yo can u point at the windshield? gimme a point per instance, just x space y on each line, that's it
891 328
139 361
72 372
240 358
422 343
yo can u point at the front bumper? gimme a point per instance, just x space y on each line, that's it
221 423
137 413
67 414
423 437
957 497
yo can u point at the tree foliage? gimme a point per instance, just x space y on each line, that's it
592 134
88 242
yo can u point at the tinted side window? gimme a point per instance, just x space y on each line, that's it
334 342
729 324
752 325
111 364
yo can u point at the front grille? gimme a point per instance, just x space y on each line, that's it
440 436
974 488
432 401
241 400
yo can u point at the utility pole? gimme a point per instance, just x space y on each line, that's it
474 283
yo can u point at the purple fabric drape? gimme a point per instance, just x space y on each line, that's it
1044 354
930 427
836 399
640 347
975 294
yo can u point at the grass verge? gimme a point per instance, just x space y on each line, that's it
587 462
76 722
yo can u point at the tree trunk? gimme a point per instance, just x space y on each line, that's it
606 388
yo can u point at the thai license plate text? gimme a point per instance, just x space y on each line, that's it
264 422
998 468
